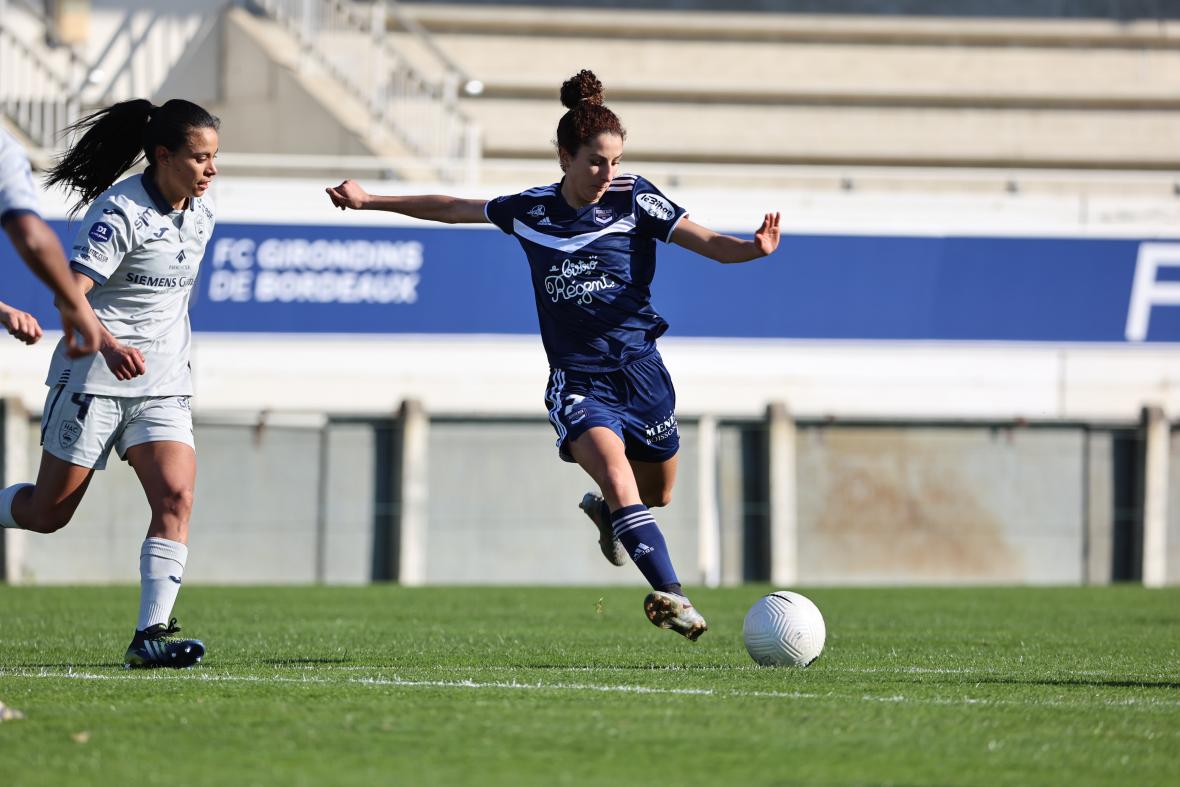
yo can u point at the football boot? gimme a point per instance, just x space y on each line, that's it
156 646
611 548
670 611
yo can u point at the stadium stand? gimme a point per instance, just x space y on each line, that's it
757 88
431 82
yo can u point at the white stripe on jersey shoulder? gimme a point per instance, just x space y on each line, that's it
625 224
675 224
622 183
540 191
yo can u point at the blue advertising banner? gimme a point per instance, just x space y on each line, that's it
337 279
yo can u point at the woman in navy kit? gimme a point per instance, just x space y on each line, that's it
590 240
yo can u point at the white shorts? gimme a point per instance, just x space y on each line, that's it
82 428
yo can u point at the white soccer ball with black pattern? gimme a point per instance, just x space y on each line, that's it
784 629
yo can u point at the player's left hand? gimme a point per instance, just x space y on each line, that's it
767 236
124 361
22 325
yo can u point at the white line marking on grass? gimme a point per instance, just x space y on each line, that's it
753 668
471 684
399 682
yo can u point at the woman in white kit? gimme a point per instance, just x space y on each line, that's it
136 257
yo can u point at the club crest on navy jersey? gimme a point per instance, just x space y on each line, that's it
592 268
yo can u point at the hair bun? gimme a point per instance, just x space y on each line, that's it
582 86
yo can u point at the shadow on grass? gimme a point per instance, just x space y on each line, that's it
74 665
1091 682
118 665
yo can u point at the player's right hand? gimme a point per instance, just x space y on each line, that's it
22 325
348 194
123 361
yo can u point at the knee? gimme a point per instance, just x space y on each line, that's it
50 520
657 498
618 481
176 503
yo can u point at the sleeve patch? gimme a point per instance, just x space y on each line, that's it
101 232
656 206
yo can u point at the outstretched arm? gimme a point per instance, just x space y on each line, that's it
726 248
432 207
41 251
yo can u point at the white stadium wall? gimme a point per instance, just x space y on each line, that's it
915 459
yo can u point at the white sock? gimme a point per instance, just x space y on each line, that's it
6 498
161 568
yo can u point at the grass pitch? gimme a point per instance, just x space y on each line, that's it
384 685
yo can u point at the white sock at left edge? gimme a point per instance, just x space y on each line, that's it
6 498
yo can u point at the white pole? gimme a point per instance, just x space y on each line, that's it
784 525
14 442
709 516
1157 433
415 493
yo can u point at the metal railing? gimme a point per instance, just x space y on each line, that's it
416 110
147 46
44 87
33 95
135 61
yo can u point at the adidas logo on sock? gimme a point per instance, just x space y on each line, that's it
641 550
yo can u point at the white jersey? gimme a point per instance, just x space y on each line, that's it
143 257
17 193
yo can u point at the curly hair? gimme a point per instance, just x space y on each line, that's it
587 116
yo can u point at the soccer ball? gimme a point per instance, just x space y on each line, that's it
784 629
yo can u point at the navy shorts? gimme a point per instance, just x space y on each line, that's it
637 402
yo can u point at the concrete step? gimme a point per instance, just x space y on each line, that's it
853 135
713 26
279 101
762 72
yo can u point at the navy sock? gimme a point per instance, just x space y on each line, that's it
637 529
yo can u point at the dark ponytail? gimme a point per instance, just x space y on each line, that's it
587 116
113 139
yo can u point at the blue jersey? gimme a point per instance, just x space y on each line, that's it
592 269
